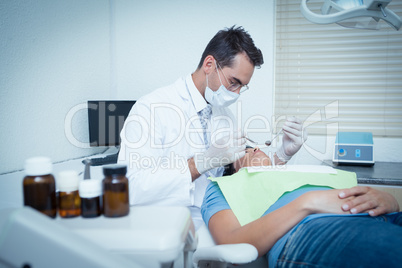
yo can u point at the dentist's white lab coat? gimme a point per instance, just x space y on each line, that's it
162 131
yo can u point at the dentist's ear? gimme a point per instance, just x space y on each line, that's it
208 64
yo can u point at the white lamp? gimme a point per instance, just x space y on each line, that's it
363 14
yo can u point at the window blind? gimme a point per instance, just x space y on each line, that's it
335 78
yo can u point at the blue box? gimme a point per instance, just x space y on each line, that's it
354 148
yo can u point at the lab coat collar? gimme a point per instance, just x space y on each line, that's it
198 100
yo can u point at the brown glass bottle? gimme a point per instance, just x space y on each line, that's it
115 191
90 192
39 186
69 199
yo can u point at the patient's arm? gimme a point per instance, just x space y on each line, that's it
265 231
367 199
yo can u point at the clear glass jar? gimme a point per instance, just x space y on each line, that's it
90 193
69 198
115 191
39 186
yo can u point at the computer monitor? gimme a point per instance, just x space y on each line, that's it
106 119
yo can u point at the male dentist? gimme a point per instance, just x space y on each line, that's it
177 136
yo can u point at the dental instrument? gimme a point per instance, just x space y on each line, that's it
267 143
250 140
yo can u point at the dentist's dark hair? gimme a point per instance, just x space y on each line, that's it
227 43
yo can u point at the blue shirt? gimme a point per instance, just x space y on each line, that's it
214 201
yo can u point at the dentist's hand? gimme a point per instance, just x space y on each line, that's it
221 152
293 138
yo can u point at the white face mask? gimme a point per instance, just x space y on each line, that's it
220 98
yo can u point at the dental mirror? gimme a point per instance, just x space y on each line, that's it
269 142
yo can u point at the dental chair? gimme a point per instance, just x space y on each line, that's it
210 255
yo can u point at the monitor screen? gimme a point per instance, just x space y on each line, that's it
105 120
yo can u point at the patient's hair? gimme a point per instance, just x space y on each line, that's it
229 170
227 43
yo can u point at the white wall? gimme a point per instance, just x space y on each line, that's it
53 55
56 55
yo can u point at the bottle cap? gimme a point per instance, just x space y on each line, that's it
36 166
110 170
67 181
90 188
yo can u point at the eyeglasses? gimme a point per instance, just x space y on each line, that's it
234 85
